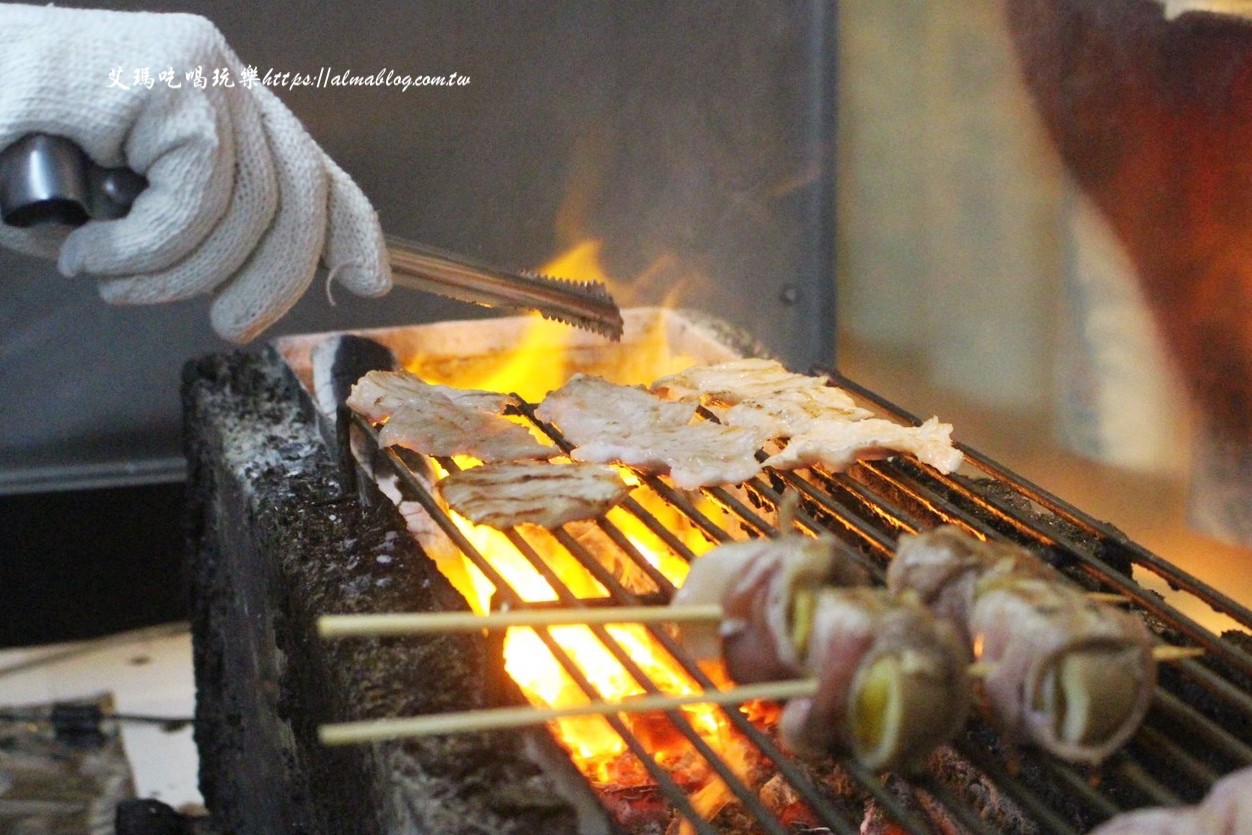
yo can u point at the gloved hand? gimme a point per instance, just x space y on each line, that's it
241 202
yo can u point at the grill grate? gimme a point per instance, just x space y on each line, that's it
1199 728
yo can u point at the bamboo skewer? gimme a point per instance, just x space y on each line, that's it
400 623
485 719
412 623
1110 597
512 717
1165 653
415 623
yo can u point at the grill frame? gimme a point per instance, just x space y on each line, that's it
868 507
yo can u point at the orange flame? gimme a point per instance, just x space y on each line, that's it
538 364
594 746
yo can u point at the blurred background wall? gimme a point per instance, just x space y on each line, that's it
975 280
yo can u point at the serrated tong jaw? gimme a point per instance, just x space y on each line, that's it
583 304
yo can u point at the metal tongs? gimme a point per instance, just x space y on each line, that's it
48 180
584 304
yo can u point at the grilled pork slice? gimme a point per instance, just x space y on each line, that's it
442 426
506 494
441 420
609 423
893 680
380 393
1071 675
824 425
1227 810
838 444
788 401
755 582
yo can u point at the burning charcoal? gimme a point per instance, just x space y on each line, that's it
784 801
980 792
920 805
637 809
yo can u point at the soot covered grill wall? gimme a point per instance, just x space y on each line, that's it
276 540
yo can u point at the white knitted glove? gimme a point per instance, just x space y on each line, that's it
241 202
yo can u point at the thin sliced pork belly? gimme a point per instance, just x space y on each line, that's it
838 444
441 426
441 420
507 494
380 393
762 380
761 394
609 423
823 422
1071 675
790 413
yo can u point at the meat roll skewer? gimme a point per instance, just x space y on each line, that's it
761 585
893 680
892 677
1071 675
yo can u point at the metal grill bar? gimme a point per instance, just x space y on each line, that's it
416 490
1099 571
1109 536
419 492
869 508
1131 774
1184 720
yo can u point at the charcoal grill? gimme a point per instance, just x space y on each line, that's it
1199 727
1175 759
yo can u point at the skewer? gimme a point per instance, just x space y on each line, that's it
1110 597
400 623
485 719
415 623
1163 653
